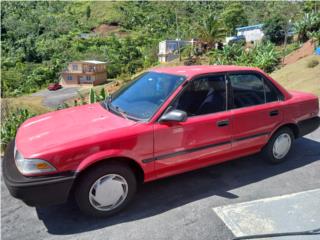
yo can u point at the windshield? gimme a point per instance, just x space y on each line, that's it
141 98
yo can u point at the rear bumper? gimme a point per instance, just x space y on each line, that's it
308 126
35 191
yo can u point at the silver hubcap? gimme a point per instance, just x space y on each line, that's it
108 192
281 145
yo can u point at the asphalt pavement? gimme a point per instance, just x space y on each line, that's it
179 207
53 99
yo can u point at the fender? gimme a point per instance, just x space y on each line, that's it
105 155
282 125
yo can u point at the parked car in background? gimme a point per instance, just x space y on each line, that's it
237 39
54 86
167 121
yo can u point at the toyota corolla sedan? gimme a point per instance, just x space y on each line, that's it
165 122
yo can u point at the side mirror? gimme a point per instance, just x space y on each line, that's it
174 116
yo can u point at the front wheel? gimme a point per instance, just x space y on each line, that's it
106 189
279 146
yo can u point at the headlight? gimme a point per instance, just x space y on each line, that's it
32 166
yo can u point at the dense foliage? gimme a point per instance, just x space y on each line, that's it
234 16
275 29
11 123
263 56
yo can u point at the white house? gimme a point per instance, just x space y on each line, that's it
168 49
251 33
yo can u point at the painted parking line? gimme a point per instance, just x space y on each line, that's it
287 213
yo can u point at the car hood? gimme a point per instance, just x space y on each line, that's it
67 127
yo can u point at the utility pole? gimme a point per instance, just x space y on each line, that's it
285 39
178 36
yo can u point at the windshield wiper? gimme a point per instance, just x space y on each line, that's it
108 105
107 102
121 112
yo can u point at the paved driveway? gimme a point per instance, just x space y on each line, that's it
179 207
53 99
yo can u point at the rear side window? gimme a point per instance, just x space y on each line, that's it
249 89
272 93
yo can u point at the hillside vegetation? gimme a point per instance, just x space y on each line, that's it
39 38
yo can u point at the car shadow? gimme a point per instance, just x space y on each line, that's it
162 195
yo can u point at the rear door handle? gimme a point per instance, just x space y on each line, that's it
223 123
274 113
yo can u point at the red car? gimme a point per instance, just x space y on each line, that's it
167 121
54 86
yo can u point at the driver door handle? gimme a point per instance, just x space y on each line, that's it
274 113
223 123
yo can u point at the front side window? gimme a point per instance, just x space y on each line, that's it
142 97
204 95
249 89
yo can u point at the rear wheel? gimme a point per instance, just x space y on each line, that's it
106 189
279 146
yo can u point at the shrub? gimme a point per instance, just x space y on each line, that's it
187 51
312 63
10 125
263 55
307 25
97 97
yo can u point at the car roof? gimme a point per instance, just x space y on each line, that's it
195 70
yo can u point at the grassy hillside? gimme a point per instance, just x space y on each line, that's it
31 103
298 76
100 12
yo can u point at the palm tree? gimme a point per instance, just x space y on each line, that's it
211 30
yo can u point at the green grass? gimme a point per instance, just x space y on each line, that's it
298 76
32 103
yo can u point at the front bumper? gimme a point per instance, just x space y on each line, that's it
35 191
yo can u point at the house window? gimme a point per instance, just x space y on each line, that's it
88 78
75 67
69 77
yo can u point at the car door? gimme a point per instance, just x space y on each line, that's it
206 134
256 110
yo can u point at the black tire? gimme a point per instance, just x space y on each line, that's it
267 151
87 180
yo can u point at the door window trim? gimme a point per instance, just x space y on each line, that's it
266 81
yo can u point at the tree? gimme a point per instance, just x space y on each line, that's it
308 24
234 16
211 30
310 6
275 28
